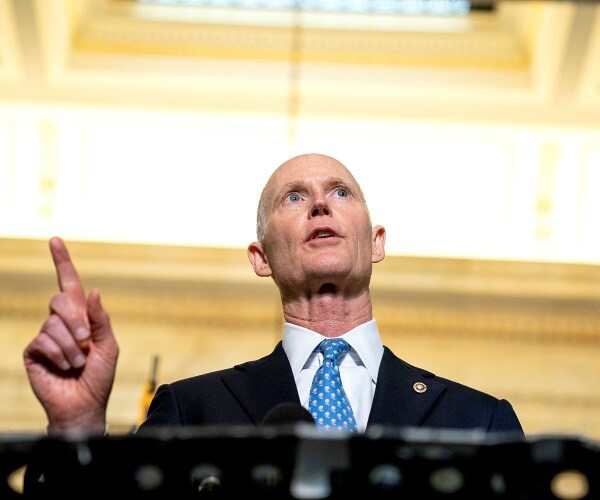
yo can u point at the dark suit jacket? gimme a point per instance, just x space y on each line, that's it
243 395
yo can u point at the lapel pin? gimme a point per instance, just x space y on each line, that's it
419 387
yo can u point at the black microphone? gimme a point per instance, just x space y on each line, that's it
286 415
282 419
207 481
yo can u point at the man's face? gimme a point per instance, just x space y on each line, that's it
318 229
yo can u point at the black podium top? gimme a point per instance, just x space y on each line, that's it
301 462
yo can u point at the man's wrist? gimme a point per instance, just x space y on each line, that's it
53 430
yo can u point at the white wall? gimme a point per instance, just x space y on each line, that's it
441 189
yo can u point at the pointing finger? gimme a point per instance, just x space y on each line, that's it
68 278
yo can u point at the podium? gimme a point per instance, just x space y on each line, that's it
302 462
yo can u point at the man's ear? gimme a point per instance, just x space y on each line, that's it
378 240
258 259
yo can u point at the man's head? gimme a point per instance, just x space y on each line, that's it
313 226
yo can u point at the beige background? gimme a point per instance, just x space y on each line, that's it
477 141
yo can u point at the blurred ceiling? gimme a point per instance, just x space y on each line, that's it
521 61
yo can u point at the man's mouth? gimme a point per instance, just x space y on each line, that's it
322 233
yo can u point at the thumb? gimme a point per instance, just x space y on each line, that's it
100 326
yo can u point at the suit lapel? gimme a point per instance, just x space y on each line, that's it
404 394
260 385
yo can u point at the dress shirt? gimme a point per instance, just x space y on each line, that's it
358 368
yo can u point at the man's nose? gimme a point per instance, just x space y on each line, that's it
320 206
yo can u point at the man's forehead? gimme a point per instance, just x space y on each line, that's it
303 169
307 169
323 180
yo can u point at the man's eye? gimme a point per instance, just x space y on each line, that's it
341 192
294 197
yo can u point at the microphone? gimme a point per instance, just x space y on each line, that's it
286 415
207 480
282 418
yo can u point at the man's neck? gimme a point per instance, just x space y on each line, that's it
330 315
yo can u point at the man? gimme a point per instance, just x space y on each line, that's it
316 241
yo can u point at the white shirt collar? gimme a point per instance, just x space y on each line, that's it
299 343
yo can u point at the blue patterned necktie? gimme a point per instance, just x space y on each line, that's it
328 403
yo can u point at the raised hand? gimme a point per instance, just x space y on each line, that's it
71 362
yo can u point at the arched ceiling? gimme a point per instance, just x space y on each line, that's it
521 61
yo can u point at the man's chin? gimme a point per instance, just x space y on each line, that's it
329 270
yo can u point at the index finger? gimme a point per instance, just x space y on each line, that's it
68 278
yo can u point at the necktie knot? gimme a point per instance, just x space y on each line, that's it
333 349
